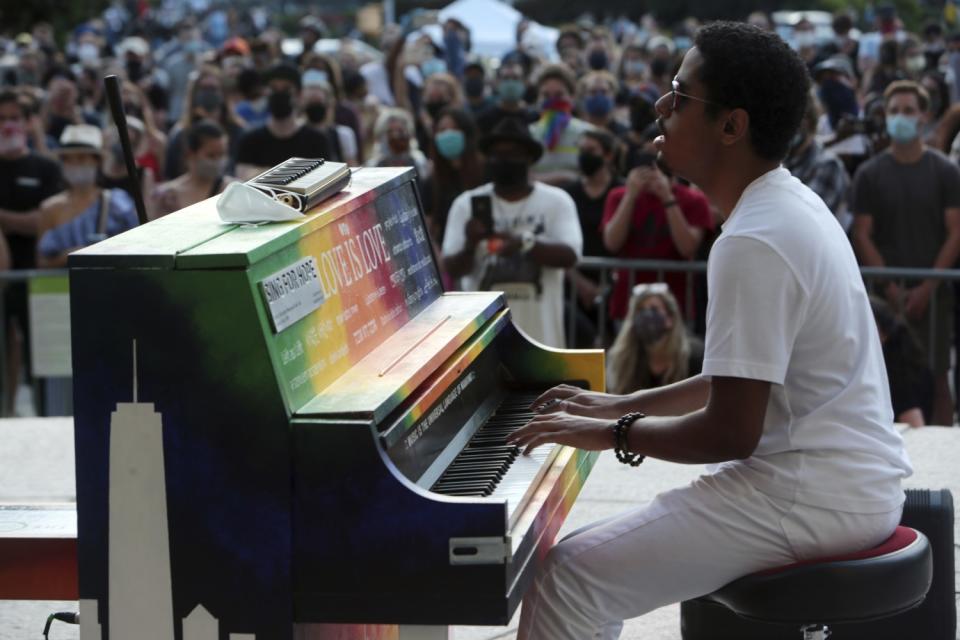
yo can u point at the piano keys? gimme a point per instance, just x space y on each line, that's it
333 423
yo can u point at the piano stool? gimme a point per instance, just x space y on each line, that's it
869 585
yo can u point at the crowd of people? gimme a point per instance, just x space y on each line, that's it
526 162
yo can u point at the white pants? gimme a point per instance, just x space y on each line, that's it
684 544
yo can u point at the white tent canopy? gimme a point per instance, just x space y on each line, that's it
493 27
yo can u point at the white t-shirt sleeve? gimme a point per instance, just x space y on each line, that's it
454 236
562 221
755 309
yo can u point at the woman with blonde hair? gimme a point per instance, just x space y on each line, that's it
653 347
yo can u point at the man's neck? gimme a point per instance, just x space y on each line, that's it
282 128
724 186
907 153
85 192
512 105
513 194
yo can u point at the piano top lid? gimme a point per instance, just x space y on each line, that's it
196 238
378 383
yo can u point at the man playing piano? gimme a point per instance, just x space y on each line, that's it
793 405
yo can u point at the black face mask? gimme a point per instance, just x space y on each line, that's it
597 60
507 173
650 326
589 163
209 100
658 67
280 105
434 109
316 112
473 87
134 70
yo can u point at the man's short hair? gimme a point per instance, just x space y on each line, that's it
286 72
907 86
745 67
202 131
559 72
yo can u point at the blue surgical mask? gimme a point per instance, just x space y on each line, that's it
634 67
511 90
450 143
902 129
598 105
432 66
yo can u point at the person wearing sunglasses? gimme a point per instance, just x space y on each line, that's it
792 409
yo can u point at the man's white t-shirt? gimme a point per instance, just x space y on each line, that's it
548 212
787 305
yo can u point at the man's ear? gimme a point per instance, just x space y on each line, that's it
735 126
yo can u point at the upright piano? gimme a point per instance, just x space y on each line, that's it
292 424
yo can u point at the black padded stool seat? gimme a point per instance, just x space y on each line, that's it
884 581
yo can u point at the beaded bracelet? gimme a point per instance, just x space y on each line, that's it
620 430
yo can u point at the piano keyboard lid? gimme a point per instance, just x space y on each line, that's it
379 382
196 238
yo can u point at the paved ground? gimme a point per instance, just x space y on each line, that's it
36 463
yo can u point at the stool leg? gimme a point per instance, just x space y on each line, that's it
815 631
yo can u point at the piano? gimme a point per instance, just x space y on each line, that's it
290 425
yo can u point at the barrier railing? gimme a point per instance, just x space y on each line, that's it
48 311
604 268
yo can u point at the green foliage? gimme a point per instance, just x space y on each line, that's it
64 15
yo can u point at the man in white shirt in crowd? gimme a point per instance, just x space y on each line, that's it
793 405
514 235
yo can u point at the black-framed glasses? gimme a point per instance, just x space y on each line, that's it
676 94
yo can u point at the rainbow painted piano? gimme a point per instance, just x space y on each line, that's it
292 424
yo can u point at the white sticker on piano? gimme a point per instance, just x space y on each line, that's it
292 293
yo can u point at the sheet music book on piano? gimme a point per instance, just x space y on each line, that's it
303 183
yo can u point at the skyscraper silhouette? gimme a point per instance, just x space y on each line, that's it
140 587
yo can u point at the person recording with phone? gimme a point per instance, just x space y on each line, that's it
656 218
515 235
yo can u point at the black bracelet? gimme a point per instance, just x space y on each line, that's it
620 430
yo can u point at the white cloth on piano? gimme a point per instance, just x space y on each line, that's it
684 544
240 203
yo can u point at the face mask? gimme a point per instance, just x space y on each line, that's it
474 87
804 39
316 112
916 64
432 66
280 104
13 139
134 70
88 54
902 129
658 66
589 163
450 143
511 90
650 326
209 99
507 174
80 176
598 60
634 68
398 145
598 106
434 108
209 168
556 104
795 142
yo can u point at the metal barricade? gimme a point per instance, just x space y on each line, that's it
605 268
